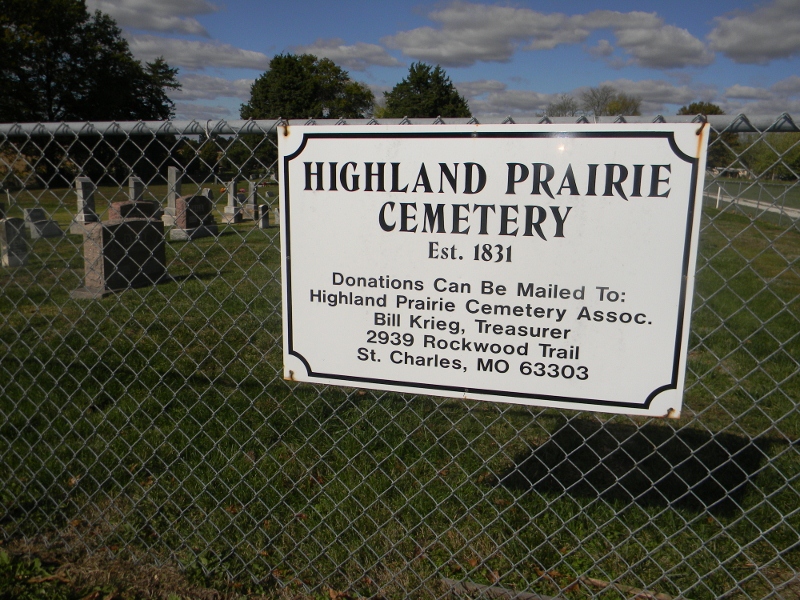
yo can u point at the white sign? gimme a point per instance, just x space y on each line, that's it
541 265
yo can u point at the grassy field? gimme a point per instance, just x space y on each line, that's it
156 422
778 193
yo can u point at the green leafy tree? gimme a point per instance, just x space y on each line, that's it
624 104
701 108
721 148
426 92
304 86
772 155
62 64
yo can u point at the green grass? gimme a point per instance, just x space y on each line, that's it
779 193
157 421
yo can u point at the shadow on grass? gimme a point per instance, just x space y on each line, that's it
650 465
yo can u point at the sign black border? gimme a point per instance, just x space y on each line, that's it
459 391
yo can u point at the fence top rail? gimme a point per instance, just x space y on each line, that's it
731 123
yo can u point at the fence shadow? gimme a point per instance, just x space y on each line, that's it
652 465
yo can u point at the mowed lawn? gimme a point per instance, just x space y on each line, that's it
157 421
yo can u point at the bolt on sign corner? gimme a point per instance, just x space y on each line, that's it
542 265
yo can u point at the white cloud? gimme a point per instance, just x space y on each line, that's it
603 48
357 57
167 16
187 111
652 43
781 97
771 107
196 55
206 87
517 103
469 32
744 92
474 89
656 93
788 87
767 33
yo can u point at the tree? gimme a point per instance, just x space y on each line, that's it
606 101
564 106
624 104
720 147
426 92
62 64
304 86
595 100
701 108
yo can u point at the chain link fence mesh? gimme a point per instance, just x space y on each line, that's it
154 424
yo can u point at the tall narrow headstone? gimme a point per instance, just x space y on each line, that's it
233 210
40 225
263 216
173 193
250 207
174 189
85 189
135 189
14 245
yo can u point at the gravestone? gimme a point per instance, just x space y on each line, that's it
135 189
126 251
250 204
136 207
130 209
233 210
194 217
40 225
122 254
263 216
14 245
173 193
84 189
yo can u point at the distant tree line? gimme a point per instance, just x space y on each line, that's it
599 101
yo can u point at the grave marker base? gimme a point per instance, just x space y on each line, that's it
182 235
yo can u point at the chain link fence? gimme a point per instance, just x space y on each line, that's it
152 422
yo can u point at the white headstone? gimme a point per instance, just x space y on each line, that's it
135 189
233 210
84 189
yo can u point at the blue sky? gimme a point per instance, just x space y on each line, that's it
506 58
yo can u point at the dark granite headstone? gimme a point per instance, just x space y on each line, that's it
131 209
84 189
14 245
121 254
40 225
194 217
263 216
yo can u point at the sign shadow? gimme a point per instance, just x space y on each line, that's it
651 465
